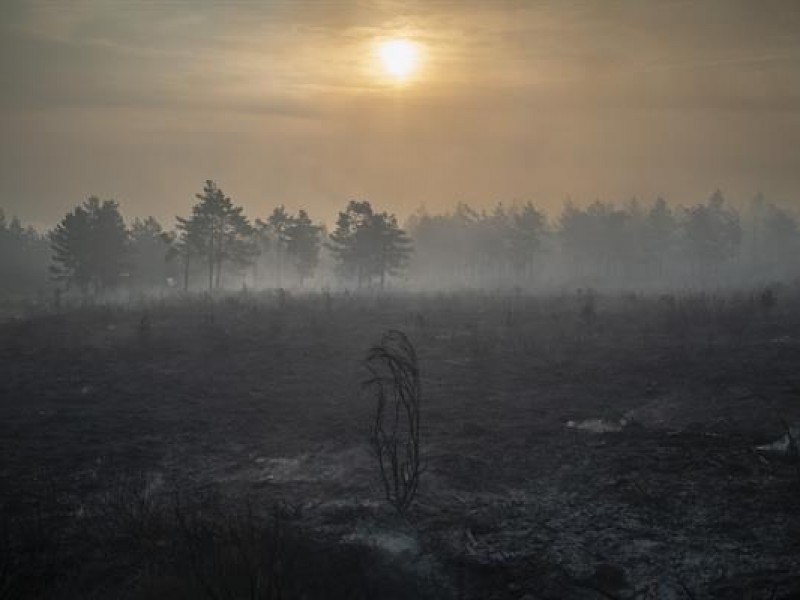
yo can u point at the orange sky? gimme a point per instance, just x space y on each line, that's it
284 102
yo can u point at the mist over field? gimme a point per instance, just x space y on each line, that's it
631 246
381 299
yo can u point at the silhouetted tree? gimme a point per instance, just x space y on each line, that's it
149 249
274 229
586 237
393 247
444 244
527 233
492 233
90 246
217 231
303 244
773 240
367 244
659 235
712 233
185 243
24 256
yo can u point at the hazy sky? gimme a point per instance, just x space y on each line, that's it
285 102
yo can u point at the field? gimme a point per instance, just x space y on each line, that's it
575 446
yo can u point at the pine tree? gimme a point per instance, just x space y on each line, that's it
367 244
526 233
218 232
149 246
24 255
90 246
303 244
712 232
659 235
274 232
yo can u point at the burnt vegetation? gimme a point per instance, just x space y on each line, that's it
395 384
575 445
598 404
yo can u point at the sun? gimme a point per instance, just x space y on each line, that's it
399 58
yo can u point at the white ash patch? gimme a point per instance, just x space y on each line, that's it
786 445
311 467
598 425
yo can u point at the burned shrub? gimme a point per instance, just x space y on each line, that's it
394 381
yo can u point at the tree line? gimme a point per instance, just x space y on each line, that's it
605 244
93 250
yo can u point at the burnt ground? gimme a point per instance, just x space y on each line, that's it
260 403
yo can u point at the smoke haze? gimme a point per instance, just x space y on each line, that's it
281 102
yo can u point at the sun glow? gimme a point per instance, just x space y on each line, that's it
399 58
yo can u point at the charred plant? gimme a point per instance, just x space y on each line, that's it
394 381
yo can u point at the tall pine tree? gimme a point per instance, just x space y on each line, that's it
90 246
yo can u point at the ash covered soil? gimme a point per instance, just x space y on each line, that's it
607 451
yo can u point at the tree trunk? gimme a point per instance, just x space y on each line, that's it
280 264
211 258
186 272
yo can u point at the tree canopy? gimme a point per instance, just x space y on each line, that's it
631 243
368 245
90 246
217 232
